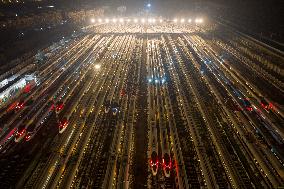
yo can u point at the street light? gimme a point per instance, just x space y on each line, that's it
121 20
189 20
100 20
135 20
143 20
107 20
182 20
160 20
198 20
97 66
114 20
93 20
175 20
149 5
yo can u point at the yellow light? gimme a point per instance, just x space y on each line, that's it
135 20
93 20
175 20
114 20
189 20
182 20
100 20
107 20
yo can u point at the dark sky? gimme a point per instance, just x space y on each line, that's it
261 15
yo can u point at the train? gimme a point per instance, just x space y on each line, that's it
154 161
113 107
63 124
166 159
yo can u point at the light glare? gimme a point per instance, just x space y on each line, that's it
198 20
97 66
